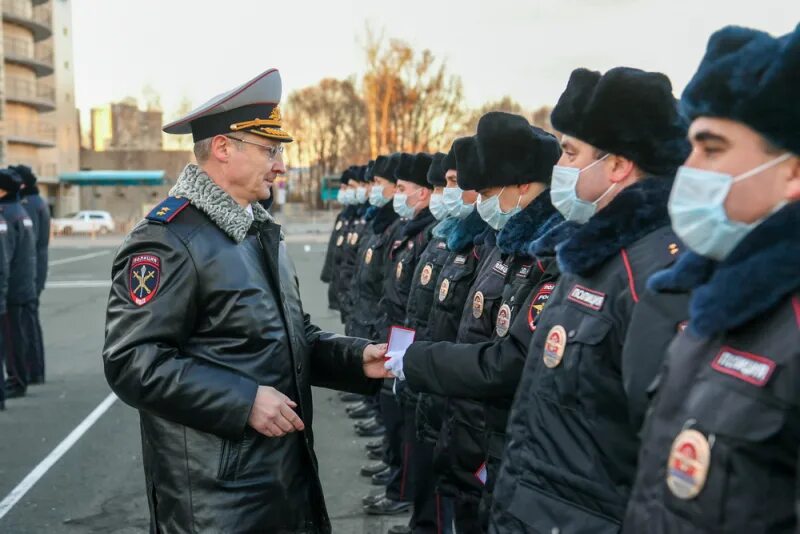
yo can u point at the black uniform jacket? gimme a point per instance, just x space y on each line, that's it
202 311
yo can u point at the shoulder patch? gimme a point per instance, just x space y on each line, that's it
168 209
144 277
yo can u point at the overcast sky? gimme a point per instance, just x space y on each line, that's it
522 48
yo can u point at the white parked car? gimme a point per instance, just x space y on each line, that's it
84 222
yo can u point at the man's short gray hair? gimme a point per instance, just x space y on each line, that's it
202 150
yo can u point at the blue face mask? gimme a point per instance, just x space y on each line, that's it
451 196
490 211
564 196
349 197
697 210
361 195
437 207
376 197
401 207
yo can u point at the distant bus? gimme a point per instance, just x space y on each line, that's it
328 188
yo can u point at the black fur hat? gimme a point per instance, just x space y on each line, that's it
26 174
384 167
369 171
361 174
436 172
750 77
10 181
511 152
468 164
349 175
628 112
417 171
449 161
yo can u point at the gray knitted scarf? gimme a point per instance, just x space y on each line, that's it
195 185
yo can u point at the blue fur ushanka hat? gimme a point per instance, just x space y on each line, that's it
628 112
436 172
750 77
509 151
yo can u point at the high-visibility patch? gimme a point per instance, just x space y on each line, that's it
144 276
444 288
425 276
538 303
477 305
503 320
554 346
687 466
587 297
753 369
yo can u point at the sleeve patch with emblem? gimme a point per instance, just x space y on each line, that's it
144 277
538 303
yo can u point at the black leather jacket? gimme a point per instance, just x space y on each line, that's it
223 317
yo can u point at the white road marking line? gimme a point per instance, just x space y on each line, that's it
39 471
73 259
76 284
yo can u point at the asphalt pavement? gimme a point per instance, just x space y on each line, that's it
86 475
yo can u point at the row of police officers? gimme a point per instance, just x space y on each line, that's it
24 238
607 325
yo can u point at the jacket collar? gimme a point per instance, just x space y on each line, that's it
760 272
30 191
420 221
525 226
465 232
635 212
196 186
383 219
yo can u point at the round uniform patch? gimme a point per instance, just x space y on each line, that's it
340 240
368 256
425 277
554 346
443 289
354 239
503 320
143 278
687 467
398 272
477 305
338 226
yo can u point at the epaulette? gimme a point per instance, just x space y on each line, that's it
168 209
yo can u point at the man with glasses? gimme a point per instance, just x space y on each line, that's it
207 337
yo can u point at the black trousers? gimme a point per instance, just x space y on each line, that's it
19 328
467 515
394 450
36 347
426 515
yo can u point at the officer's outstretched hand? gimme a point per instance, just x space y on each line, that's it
273 414
374 360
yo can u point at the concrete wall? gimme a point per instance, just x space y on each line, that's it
129 204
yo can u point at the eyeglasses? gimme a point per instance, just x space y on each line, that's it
272 151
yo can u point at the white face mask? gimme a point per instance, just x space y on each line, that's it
490 211
564 196
697 210
361 195
437 207
451 196
376 197
400 204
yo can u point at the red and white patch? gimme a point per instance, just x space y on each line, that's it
538 303
144 278
482 474
753 369
587 297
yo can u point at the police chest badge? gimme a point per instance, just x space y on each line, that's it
687 467
477 305
338 226
368 256
443 289
398 272
340 240
425 277
503 320
554 346
354 238
143 278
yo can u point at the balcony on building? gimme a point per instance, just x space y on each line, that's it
37 19
31 132
23 52
34 93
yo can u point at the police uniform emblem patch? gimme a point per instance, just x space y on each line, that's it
687 467
3 228
27 223
503 320
538 303
554 346
144 277
425 277
443 289
398 272
338 226
354 238
339 241
368 256
477 305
